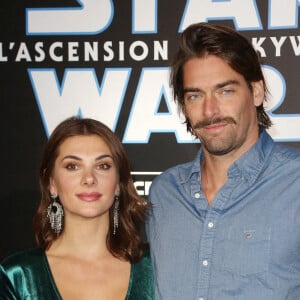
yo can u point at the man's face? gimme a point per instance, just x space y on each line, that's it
220 105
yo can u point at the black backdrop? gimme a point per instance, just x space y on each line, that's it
29 110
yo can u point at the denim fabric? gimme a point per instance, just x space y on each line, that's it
245 246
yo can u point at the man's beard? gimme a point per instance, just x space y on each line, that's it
220 146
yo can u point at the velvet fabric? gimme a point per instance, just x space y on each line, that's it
27 275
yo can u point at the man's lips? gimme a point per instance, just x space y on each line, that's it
93 196
215 125
214 128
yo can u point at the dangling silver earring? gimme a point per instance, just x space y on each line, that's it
116 214
55 215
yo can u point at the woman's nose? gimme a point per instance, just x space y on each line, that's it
89 178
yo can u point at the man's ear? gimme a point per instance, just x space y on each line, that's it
258 91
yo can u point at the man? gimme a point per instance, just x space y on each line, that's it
226 225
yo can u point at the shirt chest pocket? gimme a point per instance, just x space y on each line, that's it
246 251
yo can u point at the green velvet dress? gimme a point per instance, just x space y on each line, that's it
27 275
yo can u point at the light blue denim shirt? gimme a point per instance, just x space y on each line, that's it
245 246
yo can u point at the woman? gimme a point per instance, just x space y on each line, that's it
87 226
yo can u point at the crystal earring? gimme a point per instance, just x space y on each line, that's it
55 214
116 214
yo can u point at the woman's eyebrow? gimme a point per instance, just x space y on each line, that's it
79 159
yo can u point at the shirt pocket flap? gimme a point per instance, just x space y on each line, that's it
247 251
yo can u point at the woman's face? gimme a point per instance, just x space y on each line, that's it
85 177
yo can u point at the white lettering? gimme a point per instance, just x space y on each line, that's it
295 44
283 14
79 94
73 51
90 51
40 51
52 49
92 17
244 14
285 127
256 43
145 116
142 187
2 56
153 109
144 16
160 50
23 53
121 51
107 47
144 52
278 44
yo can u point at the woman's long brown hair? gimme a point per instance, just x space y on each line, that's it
128 242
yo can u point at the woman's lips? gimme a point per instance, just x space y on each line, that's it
89 196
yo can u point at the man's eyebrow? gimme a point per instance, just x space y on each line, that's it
228 82
190 90
217 86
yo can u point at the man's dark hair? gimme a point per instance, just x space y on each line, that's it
201 39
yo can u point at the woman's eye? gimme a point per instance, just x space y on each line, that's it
71 166
103 166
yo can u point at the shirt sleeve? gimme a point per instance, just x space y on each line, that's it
7 291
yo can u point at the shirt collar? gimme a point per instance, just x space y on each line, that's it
249 165
252 162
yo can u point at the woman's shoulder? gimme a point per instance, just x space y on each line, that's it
144 264
22 258
26 275
145 259
141 281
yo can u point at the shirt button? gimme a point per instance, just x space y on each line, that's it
205 263
197 195
210 224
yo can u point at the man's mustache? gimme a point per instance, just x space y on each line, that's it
212 121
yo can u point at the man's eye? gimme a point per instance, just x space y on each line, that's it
227 91
191 97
